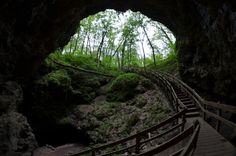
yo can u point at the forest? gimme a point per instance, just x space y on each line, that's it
117 40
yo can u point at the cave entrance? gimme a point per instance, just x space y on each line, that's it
120 40
106 41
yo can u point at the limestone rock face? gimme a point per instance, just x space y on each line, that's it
15 133
207 56
10 96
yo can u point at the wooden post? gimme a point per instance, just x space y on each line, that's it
177 105
219 112
137 147
204 114
184 121
93 153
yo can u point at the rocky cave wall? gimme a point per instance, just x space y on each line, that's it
207 56
205 32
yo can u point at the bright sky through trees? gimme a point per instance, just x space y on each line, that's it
151 30
122 39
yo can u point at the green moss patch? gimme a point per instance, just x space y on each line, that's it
59 77
125 87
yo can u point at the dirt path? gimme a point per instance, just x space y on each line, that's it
63 150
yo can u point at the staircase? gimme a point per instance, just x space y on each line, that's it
192 109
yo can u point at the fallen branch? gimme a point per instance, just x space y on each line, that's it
79 69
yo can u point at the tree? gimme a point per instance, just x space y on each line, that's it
114 39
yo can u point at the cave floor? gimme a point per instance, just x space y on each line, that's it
63 150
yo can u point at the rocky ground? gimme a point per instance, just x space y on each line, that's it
63 150
106 121
67 107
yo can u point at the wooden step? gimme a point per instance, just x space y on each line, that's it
192 114
184 99
187 102
193 109
190 105
181 94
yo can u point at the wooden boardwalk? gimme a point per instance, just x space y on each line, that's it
210 142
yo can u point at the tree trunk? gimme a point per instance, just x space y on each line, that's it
99 51
76 41
144 56
82 46
150 43
123 54
166 35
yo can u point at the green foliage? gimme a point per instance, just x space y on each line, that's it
105 43
166 64
75 60
131 121
123 87
125 81
59 77
169 64
114 43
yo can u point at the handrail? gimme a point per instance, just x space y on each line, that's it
182 83
171 88
170 142
166 132
203 103
224 107
111 144
227 122
147 140
192 141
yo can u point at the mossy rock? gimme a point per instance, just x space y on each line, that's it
59 77
132 121
123 87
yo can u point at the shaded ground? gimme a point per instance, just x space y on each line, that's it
63 150
107 119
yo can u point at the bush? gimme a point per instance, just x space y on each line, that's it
132 121
125 81
123 87
59 77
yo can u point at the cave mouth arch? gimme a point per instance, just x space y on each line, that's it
30 30
40 28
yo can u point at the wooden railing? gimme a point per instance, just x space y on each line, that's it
185 151
204 105
190 147
140 139
165 85
137 137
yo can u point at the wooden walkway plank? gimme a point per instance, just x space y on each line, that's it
210 142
